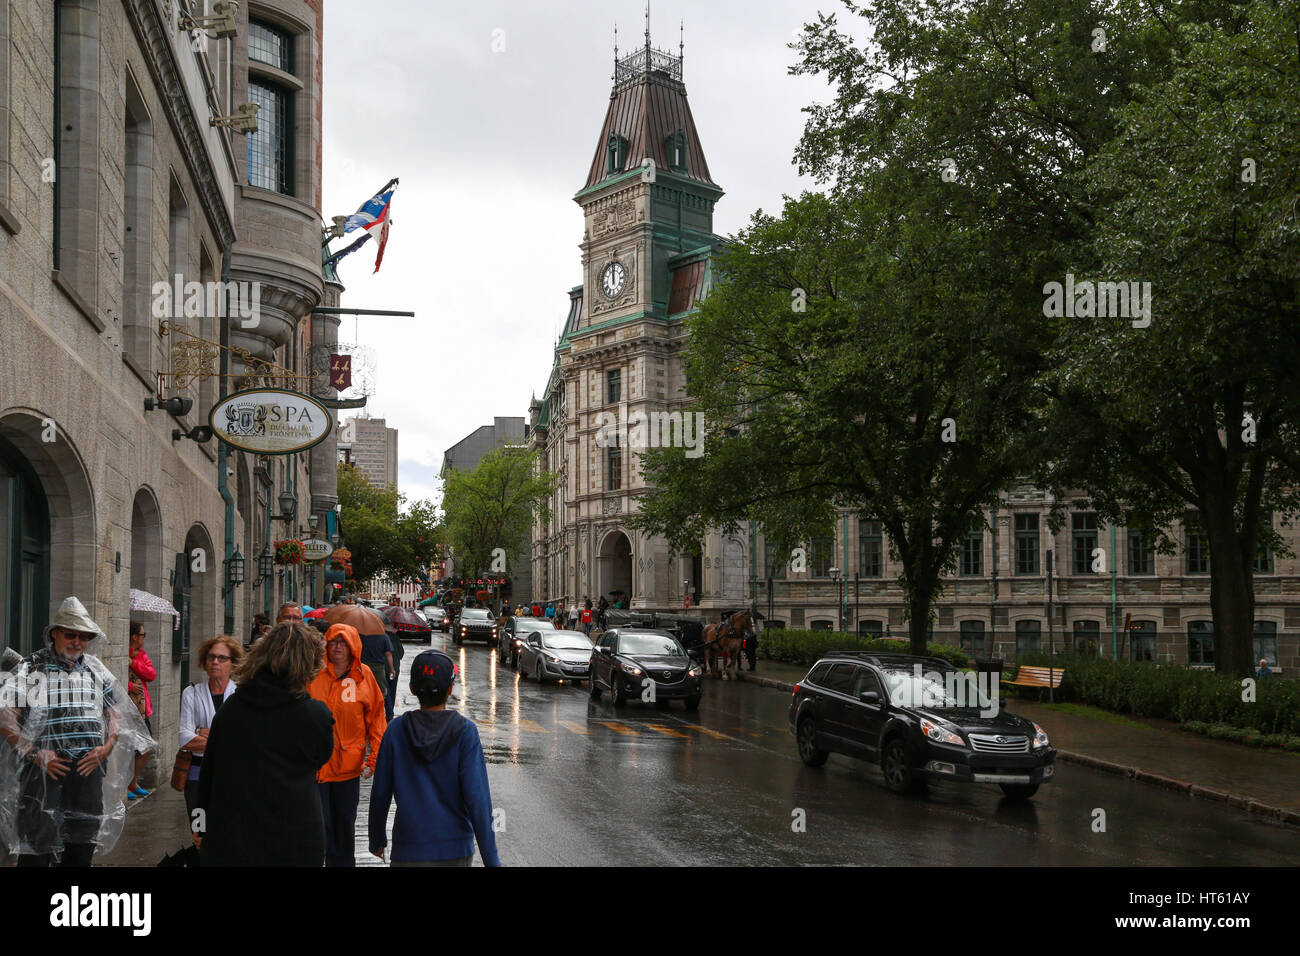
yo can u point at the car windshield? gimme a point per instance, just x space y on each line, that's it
475 614
935 689
575 642
533 624
649 645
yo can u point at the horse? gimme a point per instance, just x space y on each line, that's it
723 641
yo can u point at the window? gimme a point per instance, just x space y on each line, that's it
775 560
1026 536
675 149
1265 643
1197 550
972 552
870 549
972 638
1028 637
138 325
77 29
868 683
1200 642
268 148
871 629
614 469
268 45
821 557
819 674
1084 534
613 386
1142 640
615 153
1087 638
1263 564
1141 554
822 626
843 677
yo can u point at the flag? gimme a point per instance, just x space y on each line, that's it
373 217
383 239
340 372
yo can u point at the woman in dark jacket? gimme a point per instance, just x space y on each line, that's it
257 787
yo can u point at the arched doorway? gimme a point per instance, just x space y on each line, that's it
615 559
733 570
24 552
147 570
199 616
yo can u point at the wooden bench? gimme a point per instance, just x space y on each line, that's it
1040 677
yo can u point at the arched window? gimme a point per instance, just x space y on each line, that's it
675 150
24 552
615 153
270 149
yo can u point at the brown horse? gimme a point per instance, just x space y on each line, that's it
723 642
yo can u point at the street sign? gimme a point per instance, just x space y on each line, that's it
270 421
315 549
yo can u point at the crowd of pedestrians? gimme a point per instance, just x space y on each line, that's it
273 746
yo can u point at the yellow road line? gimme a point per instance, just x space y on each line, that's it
576 728
532 725
668 730
712 733
617 727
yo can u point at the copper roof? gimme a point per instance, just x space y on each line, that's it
645 110
688 286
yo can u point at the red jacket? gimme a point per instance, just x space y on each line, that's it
143 668
357 704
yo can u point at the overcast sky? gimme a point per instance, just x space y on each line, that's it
490 148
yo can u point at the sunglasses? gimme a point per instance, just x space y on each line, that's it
219 658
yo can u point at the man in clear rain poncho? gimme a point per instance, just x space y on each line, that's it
68 739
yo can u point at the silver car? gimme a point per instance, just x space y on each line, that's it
555 655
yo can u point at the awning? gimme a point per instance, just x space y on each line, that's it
144 601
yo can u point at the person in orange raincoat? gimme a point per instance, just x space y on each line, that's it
349 689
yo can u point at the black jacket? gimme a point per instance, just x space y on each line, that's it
257 786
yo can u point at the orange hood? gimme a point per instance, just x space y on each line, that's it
349 634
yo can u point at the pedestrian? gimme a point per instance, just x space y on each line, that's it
72 739
750 647
218 656
356 702
258 790
143 674
537 609
573 616
259 628
289 611
377 654
601 610
586 619
550 611
431 762
10 661
398 652
1264 670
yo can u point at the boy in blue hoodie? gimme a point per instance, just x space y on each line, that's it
431 761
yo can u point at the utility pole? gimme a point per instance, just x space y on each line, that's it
1051 640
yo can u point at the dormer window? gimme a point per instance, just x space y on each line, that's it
615 153
675 148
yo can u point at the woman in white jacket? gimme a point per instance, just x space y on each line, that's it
199 704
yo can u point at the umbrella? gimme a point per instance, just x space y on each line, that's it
318 613
144 601
429 602
363 619
404 615
307 609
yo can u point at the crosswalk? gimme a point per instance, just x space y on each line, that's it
619 728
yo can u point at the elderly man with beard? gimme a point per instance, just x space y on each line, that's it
63 730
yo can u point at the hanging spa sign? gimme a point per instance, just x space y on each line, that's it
270 421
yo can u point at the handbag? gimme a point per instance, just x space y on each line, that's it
181 769
136 693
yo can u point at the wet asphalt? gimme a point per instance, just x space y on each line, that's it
584 783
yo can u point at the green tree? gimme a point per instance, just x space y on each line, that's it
493 506
382 537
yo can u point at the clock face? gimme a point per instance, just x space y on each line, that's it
613 279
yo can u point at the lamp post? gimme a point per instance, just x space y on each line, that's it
835 576
265 565
234 572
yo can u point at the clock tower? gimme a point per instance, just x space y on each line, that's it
647 249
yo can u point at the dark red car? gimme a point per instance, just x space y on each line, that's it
405 623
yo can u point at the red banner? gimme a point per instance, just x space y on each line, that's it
341 372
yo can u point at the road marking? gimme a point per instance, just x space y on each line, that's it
617 727
532 725
668 730
576 728
712 733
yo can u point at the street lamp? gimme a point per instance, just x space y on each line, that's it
265 565
288 507
835 576
234 572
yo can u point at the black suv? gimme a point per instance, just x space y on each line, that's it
920 719
627 661
474 624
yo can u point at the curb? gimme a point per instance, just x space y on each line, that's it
1249 804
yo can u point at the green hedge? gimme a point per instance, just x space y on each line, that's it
1243 735
1182 694
807 647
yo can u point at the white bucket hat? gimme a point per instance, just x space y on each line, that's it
72 616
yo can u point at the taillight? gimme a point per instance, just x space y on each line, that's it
797 688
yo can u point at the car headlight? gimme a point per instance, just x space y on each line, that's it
1040 738
941 734
630 669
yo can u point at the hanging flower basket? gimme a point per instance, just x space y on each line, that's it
288 552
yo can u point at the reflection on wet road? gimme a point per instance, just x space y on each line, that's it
581 782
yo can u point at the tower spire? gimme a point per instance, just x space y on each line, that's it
647 29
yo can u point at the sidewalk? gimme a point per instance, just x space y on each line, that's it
1150 751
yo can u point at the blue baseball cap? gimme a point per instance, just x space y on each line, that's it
432 670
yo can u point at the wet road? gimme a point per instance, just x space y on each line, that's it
581 782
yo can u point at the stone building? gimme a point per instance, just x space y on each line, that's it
648 202
116 185
372 446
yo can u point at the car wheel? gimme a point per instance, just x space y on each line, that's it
616 694
539 673
898 773
809 753
693 703
1019 791
593 688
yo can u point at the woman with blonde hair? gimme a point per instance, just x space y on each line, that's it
219 656
258 798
